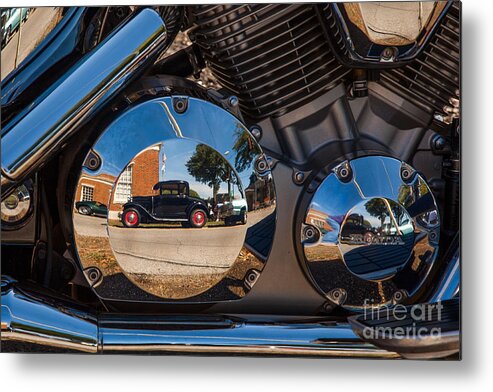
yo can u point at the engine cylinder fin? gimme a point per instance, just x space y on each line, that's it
275 58
434 76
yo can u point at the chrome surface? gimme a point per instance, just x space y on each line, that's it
377 229
184 201
387 32
15 208
449 285
392 24
42 128
34 25
33 316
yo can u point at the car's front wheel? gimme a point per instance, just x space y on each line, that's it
131 218
84 210
198 218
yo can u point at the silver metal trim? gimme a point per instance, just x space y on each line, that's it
31 315
450 283
43 127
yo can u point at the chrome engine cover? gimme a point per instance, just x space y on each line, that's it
370 234
187 188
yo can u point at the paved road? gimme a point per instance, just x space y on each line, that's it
178 250
92 226
171 251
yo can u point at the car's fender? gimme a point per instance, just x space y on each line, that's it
197 204
145 214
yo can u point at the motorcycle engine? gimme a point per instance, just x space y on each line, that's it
336 168
354 139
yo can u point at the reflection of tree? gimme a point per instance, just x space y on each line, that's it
193 193
378 209
208 167
398 212
245 149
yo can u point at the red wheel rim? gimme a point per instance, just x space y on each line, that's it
198 218
131 218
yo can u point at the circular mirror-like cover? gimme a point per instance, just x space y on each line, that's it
373 229
175 209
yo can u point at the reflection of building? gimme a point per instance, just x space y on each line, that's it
137 179
260 193
95 188
318 219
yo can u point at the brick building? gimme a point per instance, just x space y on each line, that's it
319 220
137 179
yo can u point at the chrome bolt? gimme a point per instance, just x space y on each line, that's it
261 165
233 101
256 132
310 233
180 105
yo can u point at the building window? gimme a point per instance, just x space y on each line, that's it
123 190
87 193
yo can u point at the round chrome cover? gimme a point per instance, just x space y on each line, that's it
171 205
370 235
16 207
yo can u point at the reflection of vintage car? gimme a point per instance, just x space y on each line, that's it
172 204
231 211
11 20
357 227
91 208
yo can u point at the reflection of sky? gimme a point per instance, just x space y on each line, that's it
335 198
374 177
150 123
127 132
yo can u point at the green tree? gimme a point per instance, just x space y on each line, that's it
193 193
245 149
377 208
208 167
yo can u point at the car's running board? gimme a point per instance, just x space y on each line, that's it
421 331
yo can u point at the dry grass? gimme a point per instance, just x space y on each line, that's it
96 252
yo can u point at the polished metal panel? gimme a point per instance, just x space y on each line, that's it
449 285
370 227
32 315
373 230
393 24
384 33
42 128
187 189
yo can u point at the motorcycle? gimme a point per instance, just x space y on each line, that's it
334 127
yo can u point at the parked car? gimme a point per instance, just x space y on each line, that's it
91 208
11 20
231 211
173 204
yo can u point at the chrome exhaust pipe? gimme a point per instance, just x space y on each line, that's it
32 315
40 130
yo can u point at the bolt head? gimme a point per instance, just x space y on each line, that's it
299 177
233 101
256 132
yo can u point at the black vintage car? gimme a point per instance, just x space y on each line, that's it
172 204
